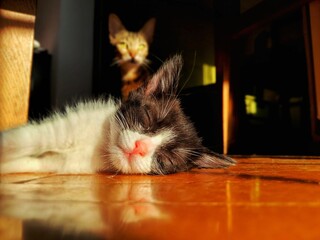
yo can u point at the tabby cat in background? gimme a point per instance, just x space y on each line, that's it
132 50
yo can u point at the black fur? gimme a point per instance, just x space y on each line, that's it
156 107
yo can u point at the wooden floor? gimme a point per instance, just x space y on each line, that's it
259 198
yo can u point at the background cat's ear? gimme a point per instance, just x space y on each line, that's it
115 26
209 159
166 79
148 30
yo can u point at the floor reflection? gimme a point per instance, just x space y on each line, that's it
266 200
82 210
129 201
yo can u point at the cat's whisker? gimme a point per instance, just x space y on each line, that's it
112 167
147 67
159 59
133 120
191 152
160 171
114 62
146 62
112 170
157 168
142 166
122 121
166 108
181 156
119 121
117 172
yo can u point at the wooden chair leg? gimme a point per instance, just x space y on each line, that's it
17 19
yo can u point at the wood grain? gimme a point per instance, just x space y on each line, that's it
16 46
264 198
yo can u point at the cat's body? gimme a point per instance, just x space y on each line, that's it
147 134
65 142
132 50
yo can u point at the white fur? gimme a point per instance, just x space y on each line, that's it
86 139
59 144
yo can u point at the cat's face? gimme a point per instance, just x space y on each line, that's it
150 133
132 47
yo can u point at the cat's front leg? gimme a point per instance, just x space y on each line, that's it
26 164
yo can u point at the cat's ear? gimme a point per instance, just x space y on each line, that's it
115 26
165 80
209 159
148 30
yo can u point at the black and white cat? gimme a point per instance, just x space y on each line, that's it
147 134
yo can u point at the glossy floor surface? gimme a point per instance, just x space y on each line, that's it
259 198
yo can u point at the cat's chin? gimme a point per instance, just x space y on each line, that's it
121 162
133 164
132 60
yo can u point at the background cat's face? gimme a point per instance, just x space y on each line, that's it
132 47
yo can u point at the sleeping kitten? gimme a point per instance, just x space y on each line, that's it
147 134
132 49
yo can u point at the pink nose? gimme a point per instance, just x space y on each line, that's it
132 54
141 147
